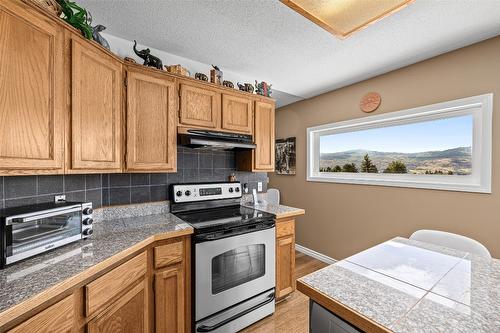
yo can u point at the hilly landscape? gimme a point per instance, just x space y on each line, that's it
457 160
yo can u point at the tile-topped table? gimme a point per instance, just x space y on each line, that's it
409 286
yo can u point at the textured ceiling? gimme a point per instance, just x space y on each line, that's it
266 40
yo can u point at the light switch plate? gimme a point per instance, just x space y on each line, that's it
259 186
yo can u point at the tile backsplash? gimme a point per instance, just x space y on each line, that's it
118 189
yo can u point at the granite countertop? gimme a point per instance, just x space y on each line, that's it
409 286
281 211
36 275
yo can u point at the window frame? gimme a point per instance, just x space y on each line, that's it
480 107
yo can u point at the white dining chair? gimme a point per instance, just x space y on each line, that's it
273 196
454 241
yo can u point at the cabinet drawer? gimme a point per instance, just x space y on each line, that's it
168 254
285 228
59 318
105 288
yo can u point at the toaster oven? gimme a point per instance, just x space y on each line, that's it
30 230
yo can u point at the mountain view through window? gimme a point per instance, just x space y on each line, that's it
437 147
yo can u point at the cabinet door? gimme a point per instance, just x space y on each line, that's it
169 300
96 109
128 314
58 318
31 92
285 266
264 136
237 114
199 106
151 123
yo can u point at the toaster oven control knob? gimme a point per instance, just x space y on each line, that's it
88 221
88 232
187 193
88 211
230 190
237 189
178 193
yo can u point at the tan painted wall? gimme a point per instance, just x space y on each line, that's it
343 219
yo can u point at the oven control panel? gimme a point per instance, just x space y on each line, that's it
204 192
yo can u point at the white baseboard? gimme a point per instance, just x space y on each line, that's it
314 254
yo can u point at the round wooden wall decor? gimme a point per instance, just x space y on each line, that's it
370 102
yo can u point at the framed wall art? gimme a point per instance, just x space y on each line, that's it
285 156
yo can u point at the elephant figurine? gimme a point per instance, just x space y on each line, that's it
97 36
149 59
246 87
201 76
228 84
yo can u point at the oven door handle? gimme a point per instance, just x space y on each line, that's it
36 216
205 328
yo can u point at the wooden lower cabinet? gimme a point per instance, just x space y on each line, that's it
169 300
128 314
58 318
285 257
131 296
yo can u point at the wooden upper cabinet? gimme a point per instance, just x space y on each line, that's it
264 136
199 106
31 92
237 114
96 109
151 123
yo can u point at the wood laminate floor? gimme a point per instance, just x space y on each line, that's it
292 314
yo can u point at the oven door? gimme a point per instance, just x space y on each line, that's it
233 269
31 234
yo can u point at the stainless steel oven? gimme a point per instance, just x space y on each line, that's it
234 256
30 230
233 269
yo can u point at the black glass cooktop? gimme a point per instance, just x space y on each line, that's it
224 217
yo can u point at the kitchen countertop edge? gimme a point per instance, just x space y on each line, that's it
59 289
281 211
341 310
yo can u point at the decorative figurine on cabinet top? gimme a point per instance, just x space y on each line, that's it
216 75
149 59
246 87
177 69
263 89
97 36
228 84
201 77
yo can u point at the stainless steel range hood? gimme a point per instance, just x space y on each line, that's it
202 139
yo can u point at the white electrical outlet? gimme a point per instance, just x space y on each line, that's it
259 186
59 198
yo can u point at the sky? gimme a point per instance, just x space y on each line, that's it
432 135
